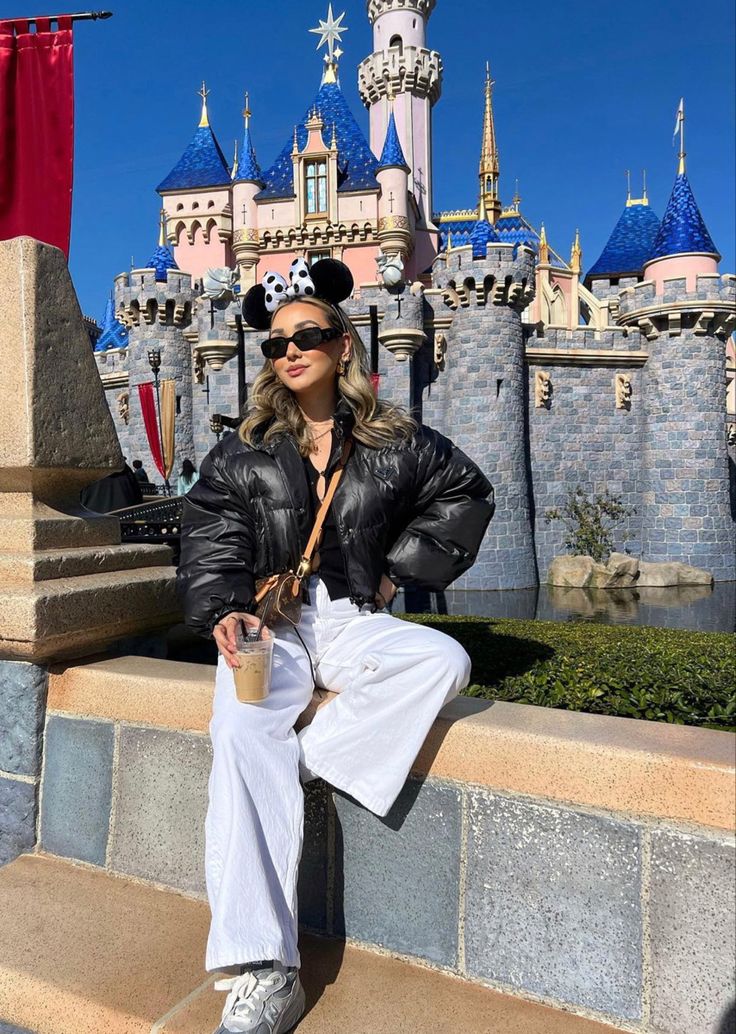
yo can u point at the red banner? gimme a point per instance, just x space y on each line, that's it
36 131
148 408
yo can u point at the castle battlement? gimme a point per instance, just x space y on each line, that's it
709 288
504 277
141 298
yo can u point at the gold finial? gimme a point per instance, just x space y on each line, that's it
204 94
482 213
576 255
295 145
516 200
162 228
246 110
543 246
333 142
644 185
234 172
628 184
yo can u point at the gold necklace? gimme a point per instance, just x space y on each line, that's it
316 437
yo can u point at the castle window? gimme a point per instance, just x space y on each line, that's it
210 204
397 41
315 256
316 184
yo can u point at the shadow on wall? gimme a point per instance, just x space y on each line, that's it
728 1021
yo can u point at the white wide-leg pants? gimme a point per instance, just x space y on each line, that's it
393 677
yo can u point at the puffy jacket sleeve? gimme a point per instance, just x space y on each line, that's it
215 573
453 505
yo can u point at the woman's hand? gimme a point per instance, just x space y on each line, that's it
224 634
386 592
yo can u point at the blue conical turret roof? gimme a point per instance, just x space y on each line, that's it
114 334
356 163
683 228
630 243
248 167
162 260
202 165
392 153
480 236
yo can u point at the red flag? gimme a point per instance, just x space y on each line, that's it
148 408
36 131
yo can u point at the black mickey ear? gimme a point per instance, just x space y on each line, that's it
254 309
332 280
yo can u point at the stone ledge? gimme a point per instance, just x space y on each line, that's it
82 951
622 765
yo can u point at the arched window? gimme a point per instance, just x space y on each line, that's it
316 186
397 41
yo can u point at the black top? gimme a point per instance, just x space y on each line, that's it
331 567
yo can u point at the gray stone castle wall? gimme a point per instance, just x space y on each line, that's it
686 507
581 438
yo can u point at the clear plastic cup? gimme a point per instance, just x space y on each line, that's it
253 676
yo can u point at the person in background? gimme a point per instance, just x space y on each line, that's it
113 492
140 472
187 478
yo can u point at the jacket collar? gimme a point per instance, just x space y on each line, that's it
344 423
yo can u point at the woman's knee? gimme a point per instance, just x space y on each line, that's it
452 658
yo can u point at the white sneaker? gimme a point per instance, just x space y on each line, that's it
267 999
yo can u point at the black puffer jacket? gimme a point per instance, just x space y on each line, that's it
416 510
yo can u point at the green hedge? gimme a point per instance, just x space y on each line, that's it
659 674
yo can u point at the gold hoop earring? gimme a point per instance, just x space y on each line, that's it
342 365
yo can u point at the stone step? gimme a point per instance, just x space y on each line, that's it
85 952
74 562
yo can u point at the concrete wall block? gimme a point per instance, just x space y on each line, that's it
160 806
17 818
692 902
77 788
22 703
552 903
397 877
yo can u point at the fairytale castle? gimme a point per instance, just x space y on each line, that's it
620 377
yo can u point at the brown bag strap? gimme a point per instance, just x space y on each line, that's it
271 583
324 507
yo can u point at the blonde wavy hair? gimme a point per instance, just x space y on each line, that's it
377 423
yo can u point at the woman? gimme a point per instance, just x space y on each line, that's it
187 478
411 509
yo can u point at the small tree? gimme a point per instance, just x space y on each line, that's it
589 524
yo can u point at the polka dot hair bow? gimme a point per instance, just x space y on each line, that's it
328 279
278 291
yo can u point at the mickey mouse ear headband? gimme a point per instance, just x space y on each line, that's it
328 279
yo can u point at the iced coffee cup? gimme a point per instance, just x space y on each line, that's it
253 675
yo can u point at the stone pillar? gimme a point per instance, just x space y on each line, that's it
67 585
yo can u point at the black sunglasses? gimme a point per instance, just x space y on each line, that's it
306 339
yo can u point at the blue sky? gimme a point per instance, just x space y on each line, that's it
583 92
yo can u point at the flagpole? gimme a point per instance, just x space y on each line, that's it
82 16
681 166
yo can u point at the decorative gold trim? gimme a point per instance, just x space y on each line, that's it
245 236
393 222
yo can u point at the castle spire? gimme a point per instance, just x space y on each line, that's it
248 167
204 119
488 168
576 255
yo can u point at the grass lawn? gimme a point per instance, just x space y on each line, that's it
659 674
